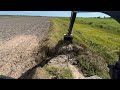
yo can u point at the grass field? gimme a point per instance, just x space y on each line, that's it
101 37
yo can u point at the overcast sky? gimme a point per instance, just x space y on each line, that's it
53 13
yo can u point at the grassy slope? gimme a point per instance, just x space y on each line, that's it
100 36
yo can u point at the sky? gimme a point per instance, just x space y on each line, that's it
53 13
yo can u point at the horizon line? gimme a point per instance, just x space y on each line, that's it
53 16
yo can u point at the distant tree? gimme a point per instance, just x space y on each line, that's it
98 17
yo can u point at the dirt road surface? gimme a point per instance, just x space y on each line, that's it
20 37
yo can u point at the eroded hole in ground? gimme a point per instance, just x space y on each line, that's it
57 62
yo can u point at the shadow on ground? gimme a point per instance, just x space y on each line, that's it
5 77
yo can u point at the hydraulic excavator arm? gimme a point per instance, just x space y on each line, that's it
69 36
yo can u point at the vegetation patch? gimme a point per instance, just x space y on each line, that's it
61 73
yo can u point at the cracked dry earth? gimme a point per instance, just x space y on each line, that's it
20 37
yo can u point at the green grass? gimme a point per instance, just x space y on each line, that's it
57 31
100 36
62 73
108 24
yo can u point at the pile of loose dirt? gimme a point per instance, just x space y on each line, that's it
56 67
